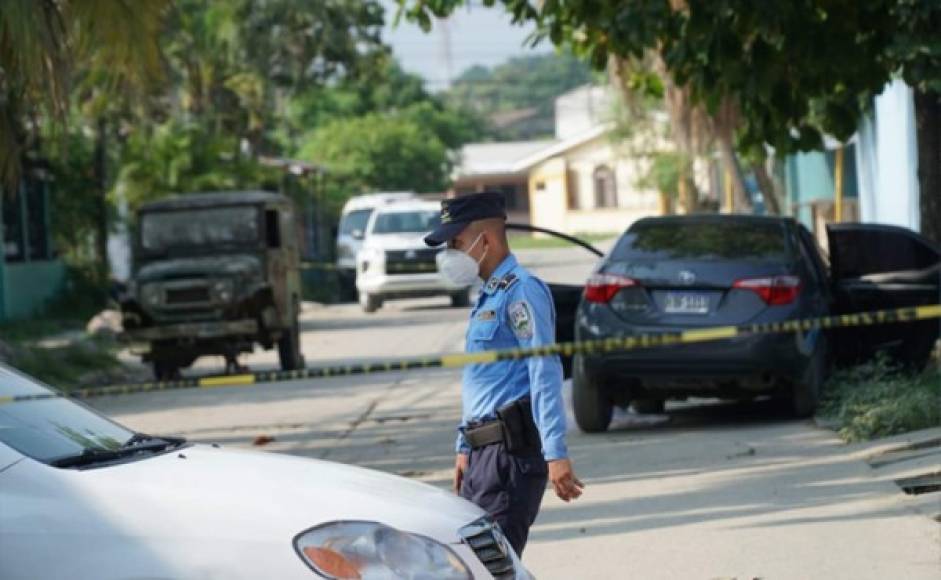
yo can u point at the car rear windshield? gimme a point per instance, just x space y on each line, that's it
407 222
714 240
355 220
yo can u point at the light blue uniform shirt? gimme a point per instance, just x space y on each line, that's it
514 310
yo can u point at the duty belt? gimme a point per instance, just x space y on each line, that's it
485 434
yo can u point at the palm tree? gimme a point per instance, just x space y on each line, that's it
42 43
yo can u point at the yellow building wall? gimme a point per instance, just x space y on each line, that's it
551 181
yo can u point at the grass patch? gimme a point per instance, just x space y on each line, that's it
36 329
65 366
878 399
527 242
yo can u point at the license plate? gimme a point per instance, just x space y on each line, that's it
686 303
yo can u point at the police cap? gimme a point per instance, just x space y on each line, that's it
457 213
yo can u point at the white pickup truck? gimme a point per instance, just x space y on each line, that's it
394 261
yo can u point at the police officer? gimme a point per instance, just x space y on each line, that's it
512 433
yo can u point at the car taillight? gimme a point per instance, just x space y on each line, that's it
775 291
601 288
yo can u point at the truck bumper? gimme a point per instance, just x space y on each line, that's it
405 284
193 330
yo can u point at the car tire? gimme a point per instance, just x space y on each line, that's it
649 406
461 299
593 406
806 391
289 346
369 302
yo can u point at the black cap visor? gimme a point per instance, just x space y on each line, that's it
445 233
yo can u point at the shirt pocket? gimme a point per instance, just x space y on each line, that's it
482 331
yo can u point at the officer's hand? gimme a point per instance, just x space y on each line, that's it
562 476
460 466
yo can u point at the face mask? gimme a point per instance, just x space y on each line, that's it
458 267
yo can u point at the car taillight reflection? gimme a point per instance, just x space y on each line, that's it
773 290
601 288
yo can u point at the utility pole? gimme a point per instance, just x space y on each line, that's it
446 53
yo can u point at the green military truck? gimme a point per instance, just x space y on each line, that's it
214 274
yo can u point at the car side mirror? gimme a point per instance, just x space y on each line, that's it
358 234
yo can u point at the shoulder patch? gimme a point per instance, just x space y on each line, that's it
520 315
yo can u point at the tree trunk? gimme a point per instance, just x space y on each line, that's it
928 131
766 184
101 202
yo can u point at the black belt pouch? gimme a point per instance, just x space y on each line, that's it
519 430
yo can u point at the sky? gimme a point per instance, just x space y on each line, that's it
478 35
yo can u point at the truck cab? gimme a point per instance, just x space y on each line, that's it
214 274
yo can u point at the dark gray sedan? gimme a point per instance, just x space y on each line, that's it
673 274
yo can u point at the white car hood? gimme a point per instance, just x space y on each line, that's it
397 241
201 513
204 492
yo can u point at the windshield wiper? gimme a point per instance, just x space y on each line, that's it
139 442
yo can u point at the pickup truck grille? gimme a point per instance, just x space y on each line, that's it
187 295
489 544
411 261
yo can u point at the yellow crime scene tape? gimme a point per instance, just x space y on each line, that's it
457 360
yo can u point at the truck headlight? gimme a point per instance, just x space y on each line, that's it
370 550
222 290
150 294
369 258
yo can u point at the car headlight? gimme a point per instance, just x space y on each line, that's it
150 294
373 551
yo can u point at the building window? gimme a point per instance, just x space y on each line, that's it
606 190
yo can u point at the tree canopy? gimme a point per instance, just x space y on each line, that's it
525 85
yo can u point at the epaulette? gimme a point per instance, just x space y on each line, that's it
508 281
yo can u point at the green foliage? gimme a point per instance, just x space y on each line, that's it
65 365
877 399
793 69
664 172
42 40
380 151
916 48
180 157
531 82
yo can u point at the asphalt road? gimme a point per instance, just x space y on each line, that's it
705 491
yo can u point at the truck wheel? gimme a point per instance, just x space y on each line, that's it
649 406
166 371
369 302
289 348
806 391
593 406
461 299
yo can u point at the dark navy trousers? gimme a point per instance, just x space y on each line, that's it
509 487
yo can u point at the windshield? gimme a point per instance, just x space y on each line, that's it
50 428
713 240
407 222
355 220
199 227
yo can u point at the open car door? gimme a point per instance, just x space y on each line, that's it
878 267
566 296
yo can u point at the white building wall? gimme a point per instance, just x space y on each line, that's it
887 160
549 206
